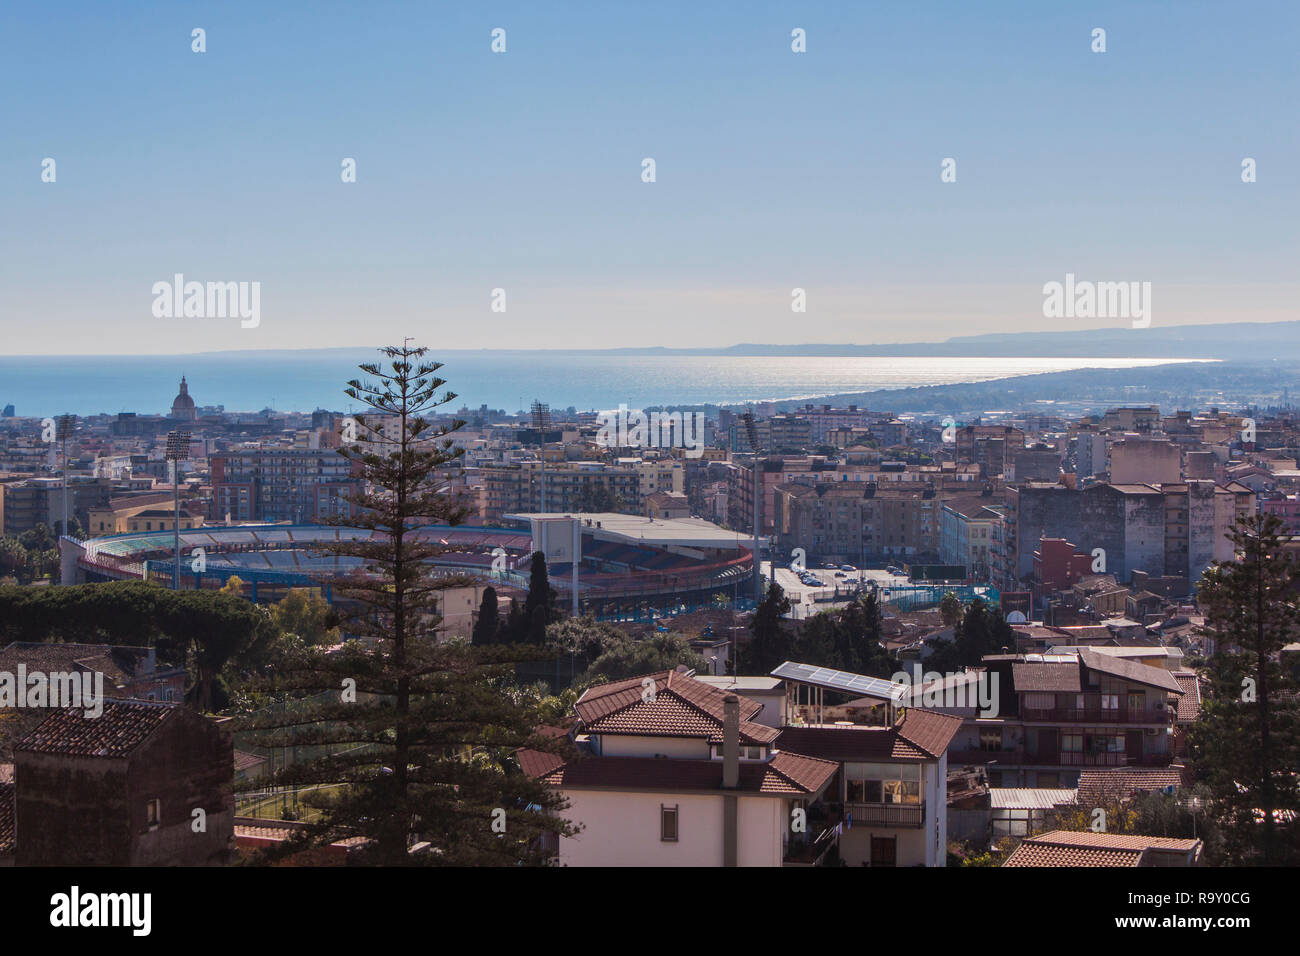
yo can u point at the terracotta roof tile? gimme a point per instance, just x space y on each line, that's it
1123 782
930 731
680 707
849 743
1189 705
1035 676
6 819
1069 848
538 763
122 727
784 774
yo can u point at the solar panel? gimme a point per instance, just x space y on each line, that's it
841 680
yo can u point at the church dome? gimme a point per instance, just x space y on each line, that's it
183 405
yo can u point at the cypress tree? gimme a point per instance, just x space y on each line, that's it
489 618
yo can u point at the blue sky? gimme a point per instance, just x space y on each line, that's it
522 170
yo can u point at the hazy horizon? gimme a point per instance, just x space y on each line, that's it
522 171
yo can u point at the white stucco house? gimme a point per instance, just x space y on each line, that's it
676 771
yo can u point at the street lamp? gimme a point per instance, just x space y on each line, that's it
178 450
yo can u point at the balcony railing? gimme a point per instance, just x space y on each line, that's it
959 757
1068 759
1096 715
1018 757
886 814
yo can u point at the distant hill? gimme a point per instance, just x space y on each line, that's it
1228 341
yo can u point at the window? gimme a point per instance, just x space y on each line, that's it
991 738
1110 701
668 823
883 783
153 814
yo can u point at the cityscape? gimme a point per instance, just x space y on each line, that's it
572 503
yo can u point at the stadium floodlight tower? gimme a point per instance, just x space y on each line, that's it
64 427
751 432
178 450
541 415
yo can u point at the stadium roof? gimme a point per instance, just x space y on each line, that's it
638 529
849 683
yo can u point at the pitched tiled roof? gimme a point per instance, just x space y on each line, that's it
1029 798
538 763
1129 670
850 743
246 761
1068 848
1036 676
117 664
1123 782
929 731
680 707
6 819
1189 705
785 774
122 727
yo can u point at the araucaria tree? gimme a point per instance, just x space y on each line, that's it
1247 740
416 737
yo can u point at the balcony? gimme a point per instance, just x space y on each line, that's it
1096 714
812 852
1112 760
911 815
1018 757
1007 757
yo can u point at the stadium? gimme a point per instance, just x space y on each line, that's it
629 567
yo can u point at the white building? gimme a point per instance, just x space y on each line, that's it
679 772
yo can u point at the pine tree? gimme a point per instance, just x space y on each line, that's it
1247 740
417 735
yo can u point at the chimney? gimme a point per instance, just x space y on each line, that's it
730 779
731 742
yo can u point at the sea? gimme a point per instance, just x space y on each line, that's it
509 380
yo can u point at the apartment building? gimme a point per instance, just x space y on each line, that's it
1174 529
992 447
967 534
301 485
1058 714
521 486
858 522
